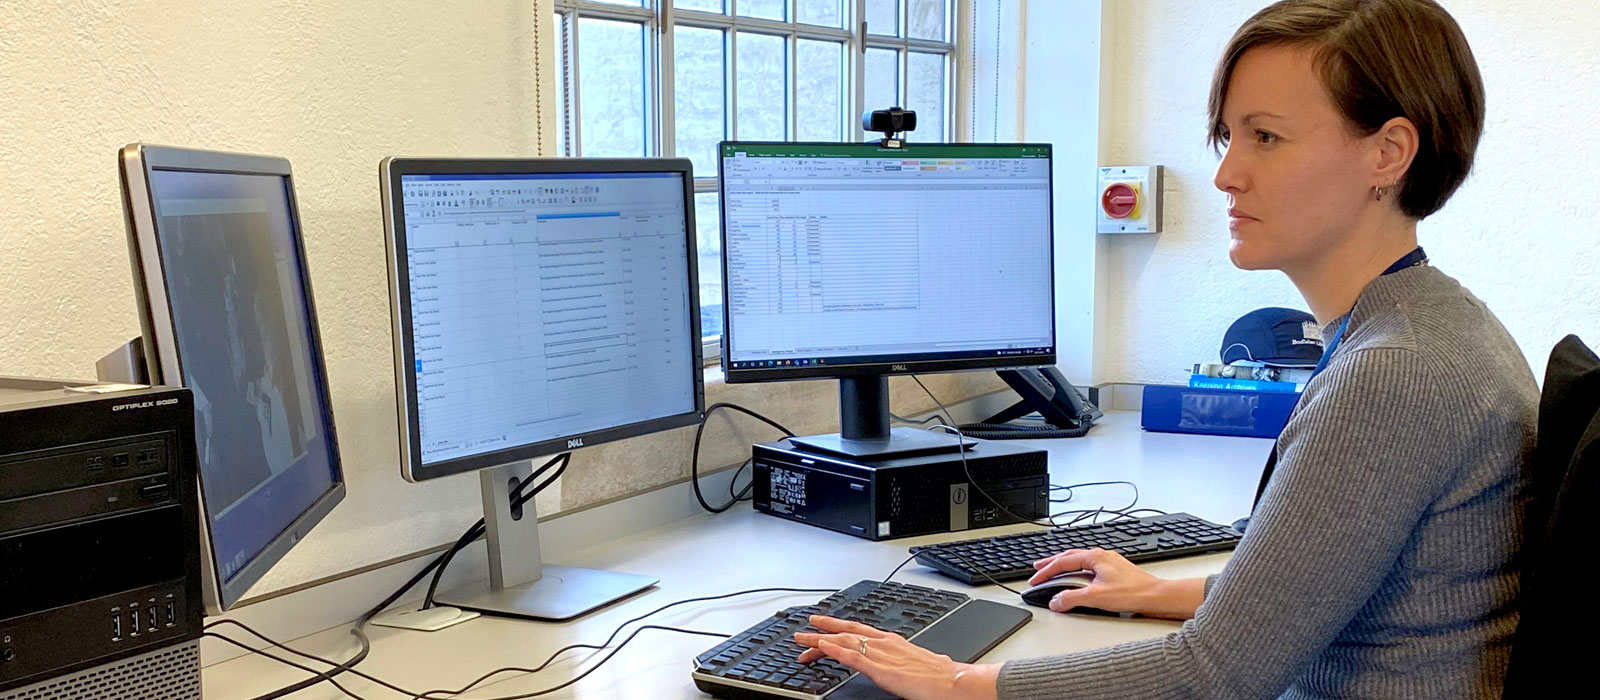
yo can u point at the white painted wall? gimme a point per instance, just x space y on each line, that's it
1522 233
333 86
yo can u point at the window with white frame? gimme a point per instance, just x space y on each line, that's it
674 77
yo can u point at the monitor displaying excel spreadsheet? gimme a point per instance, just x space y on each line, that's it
854 258
541 305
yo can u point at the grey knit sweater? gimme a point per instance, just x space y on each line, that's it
1379 562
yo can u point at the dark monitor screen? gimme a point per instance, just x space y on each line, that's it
229 314
848 259
238 309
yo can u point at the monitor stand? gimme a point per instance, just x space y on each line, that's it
864 427
126 364
520 584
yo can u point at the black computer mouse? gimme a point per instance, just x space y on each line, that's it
1040 595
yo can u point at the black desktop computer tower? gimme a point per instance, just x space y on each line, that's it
99 544
903 497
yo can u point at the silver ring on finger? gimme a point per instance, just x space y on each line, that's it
861 646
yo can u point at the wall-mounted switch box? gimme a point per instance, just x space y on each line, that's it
1129 200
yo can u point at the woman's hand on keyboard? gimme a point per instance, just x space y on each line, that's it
898 666
1119 585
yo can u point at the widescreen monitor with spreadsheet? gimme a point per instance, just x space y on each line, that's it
540 305
844 260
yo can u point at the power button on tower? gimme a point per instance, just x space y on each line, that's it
8 655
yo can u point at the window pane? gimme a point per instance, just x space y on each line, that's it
765 9
561 86
883 17
926 18
820 102
611 88
763 92
925 94
633 3
699 97
708 246
823 12
882 81
702 5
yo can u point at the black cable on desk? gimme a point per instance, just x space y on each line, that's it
614 633
694 457
592 669
434 694
741 494
930 419
321 676
430 694
318 676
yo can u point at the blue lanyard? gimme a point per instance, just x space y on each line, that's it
1412 259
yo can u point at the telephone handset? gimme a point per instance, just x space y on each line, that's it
1044 390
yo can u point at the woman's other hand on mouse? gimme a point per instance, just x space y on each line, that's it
1119 585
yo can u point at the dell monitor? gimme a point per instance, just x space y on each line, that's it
225 307
539 305
857 261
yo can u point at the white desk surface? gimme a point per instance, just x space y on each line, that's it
1211 477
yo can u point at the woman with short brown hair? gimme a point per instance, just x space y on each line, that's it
1379 561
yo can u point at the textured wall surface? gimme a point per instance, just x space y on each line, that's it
334 87
1522 233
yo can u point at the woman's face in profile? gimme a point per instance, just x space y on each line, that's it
1296 177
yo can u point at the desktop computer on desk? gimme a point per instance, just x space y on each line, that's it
855 262
894 497
99 544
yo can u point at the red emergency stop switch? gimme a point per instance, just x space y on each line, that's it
1119 200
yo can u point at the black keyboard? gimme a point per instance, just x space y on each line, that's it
760 662
1011 557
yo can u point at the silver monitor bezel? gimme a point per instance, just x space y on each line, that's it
163 363
390 172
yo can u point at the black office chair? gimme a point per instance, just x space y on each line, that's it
1559 521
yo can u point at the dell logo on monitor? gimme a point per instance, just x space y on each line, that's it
897 368
574 443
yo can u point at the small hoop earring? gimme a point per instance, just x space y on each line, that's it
1381 191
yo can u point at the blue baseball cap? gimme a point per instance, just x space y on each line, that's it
1274 336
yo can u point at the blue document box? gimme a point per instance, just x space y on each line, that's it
1181 409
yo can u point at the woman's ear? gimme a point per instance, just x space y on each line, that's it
1396 143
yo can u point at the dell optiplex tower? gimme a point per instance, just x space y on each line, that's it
99 544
